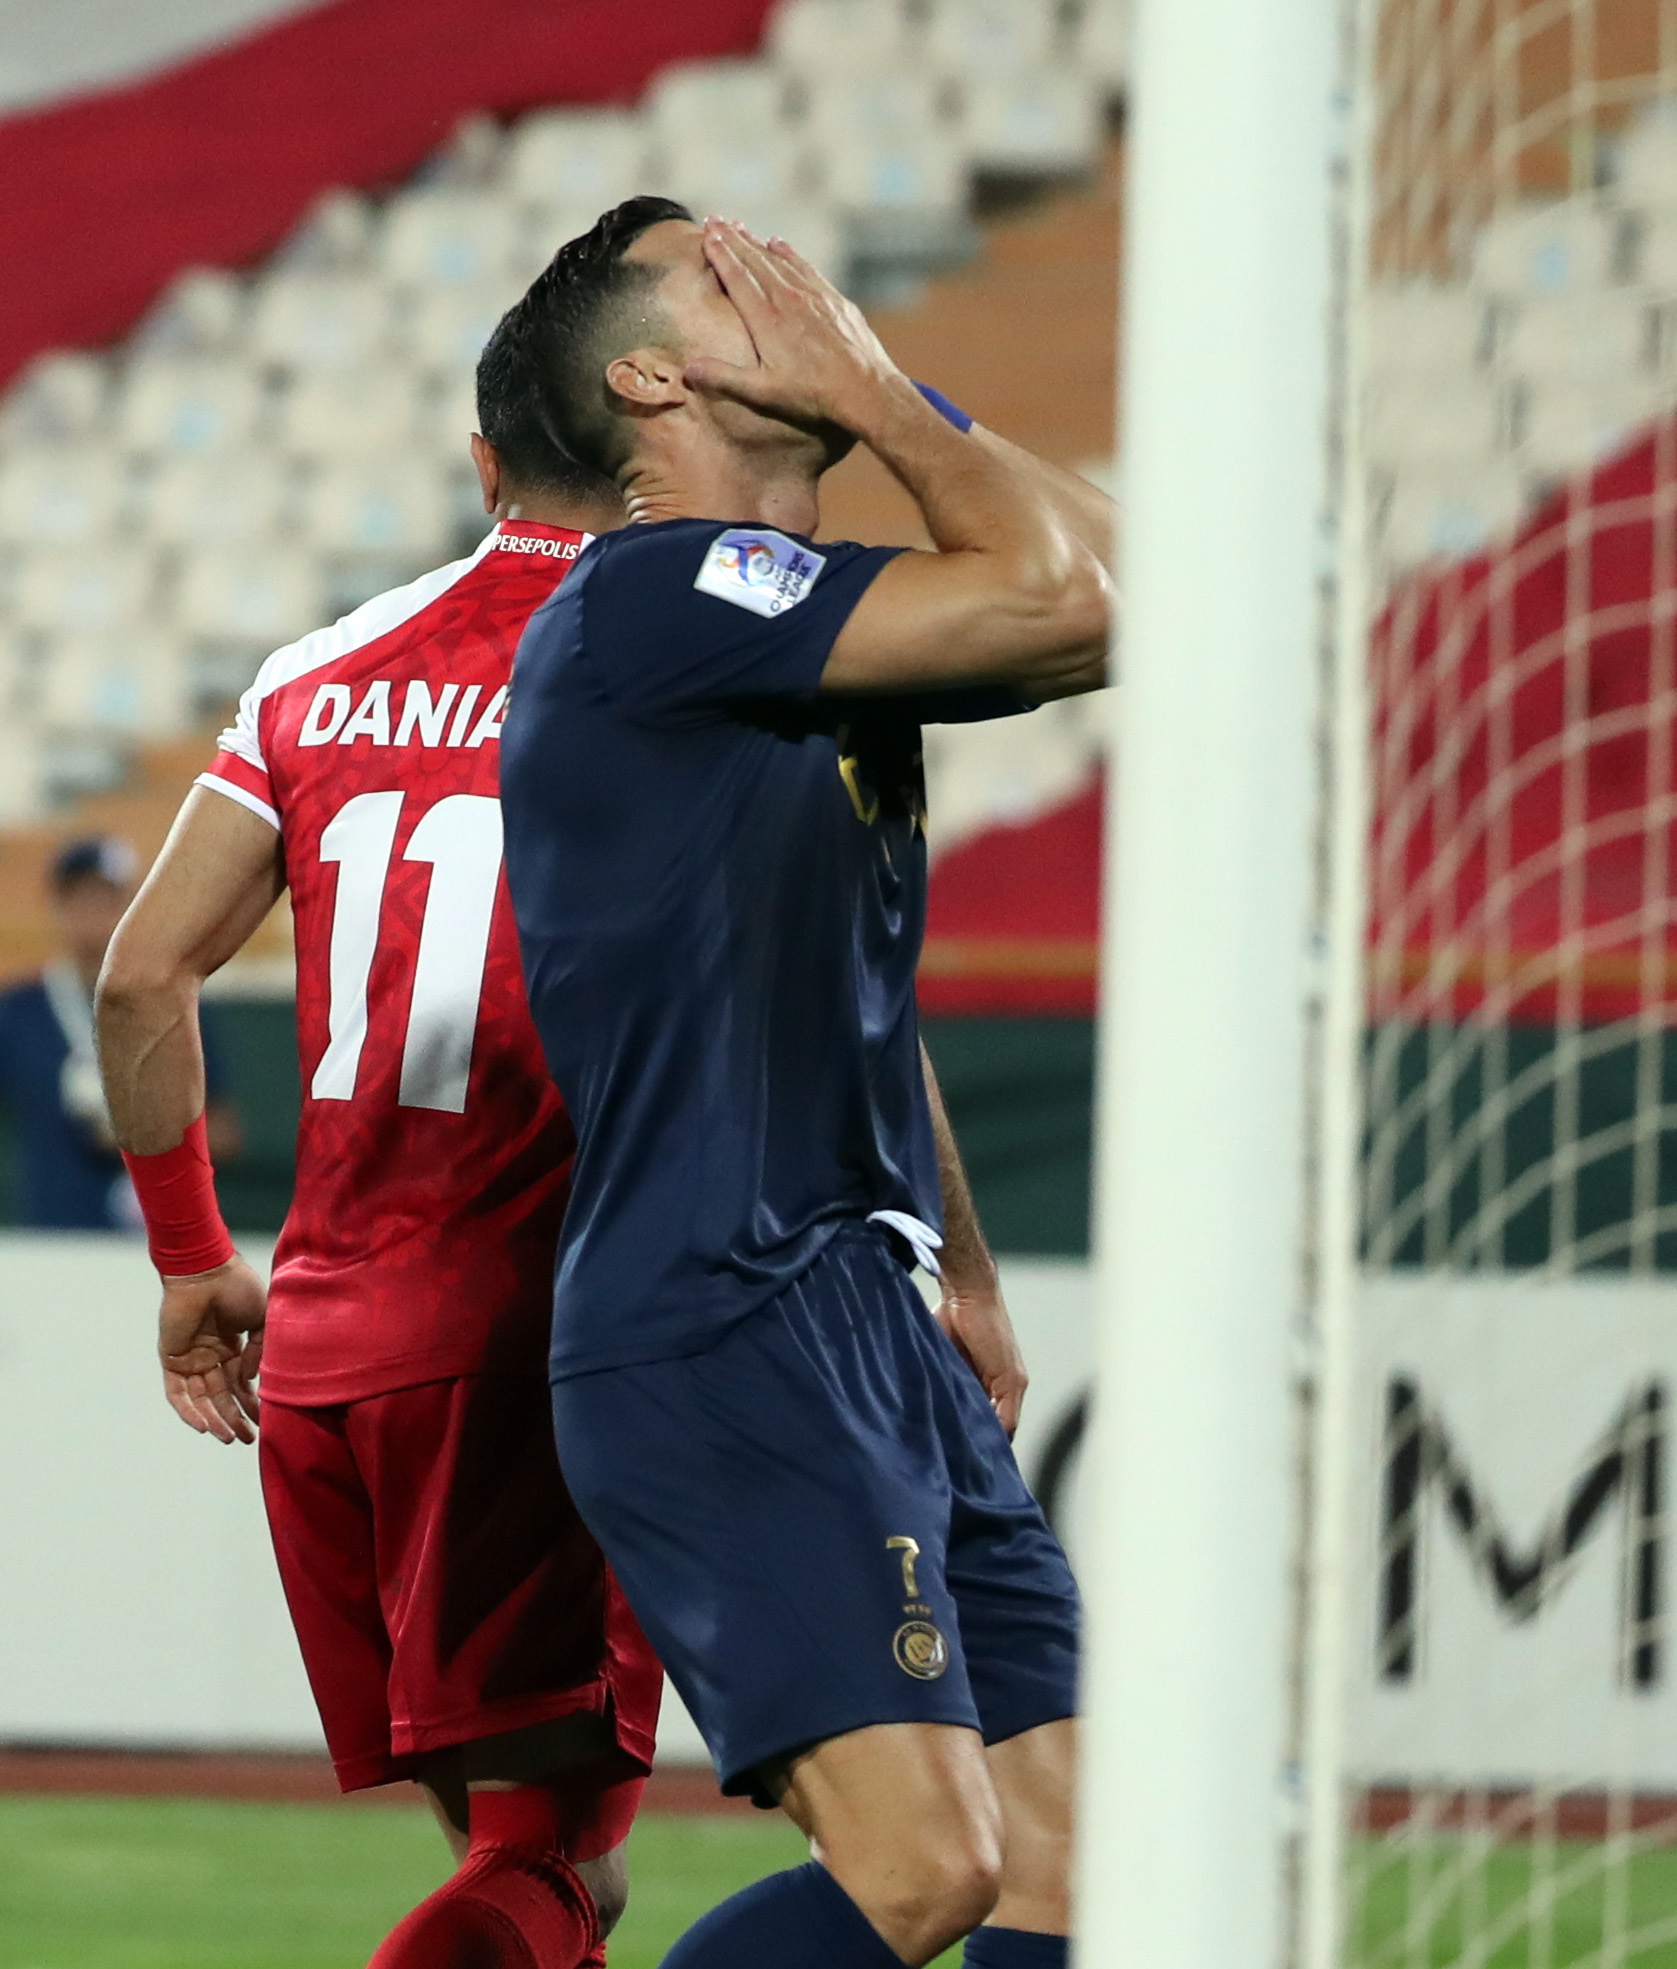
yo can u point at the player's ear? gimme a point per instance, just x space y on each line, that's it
488 463
647 379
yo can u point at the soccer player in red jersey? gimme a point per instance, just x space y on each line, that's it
458 1624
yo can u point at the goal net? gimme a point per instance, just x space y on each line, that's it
1508 1740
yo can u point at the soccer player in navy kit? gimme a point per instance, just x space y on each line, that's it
713 802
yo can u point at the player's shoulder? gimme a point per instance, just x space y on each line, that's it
396 611
698 563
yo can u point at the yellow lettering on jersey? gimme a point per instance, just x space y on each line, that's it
866 804
910 1550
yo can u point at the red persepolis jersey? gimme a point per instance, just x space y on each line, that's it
433 1154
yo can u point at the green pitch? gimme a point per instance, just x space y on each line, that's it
97 1883
100 1883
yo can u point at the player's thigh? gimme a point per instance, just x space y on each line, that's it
1020 1613
320 1518
504 1619
1035 1776
906 1818
777 1512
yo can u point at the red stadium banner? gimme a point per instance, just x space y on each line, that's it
213 163
1014 919
1525 764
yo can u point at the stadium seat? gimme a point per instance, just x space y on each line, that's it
58 397
395 507
576 160
1436 420
336 235
700 102
1583 338
60 495
1564 427
444 329
135 685
201 312
894 106
885 174
1100 45
1647 173
825 39
59 590
253 598
1656 260
1423 328
23 762
1565 246
447 238
734 171
303 321
235 500
445 418
175 404
1035 122
345 412
1423 517
991 37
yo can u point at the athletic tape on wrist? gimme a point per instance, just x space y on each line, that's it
951 413
176 1189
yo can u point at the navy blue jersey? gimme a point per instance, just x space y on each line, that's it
69 1176
719 877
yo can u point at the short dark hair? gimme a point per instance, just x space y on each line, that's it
509 415
581 313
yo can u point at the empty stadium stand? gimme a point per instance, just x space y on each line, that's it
269 446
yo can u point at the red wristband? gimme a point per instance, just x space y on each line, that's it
177 1199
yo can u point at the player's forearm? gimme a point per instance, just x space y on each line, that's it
978 500
1083 509
219 874
965 1258
151 1055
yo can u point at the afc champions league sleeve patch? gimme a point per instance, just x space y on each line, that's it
759 570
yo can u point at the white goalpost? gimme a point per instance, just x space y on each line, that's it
1382 1666
1201 1158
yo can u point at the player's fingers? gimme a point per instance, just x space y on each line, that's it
224 1401
241 1378
215 1423
1009 1400
812 277
739 271
175 1393
713 378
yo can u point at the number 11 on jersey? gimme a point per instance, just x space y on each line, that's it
461 838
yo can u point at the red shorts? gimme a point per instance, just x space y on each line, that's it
443 1587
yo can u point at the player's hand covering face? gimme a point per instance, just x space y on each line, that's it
818 361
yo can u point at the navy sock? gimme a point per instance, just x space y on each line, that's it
798 1920
1014 1948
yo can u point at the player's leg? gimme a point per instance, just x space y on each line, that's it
906 1819
595 1794
1020 1620
1036 1786
519 1681
776 1509
321 1522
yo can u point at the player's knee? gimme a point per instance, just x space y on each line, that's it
607 1879
942 1890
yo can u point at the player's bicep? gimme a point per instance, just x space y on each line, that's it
220 872
944 621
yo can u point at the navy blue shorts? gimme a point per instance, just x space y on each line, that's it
821 1525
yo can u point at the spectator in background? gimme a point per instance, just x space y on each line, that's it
70 1176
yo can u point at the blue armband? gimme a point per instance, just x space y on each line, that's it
949 412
